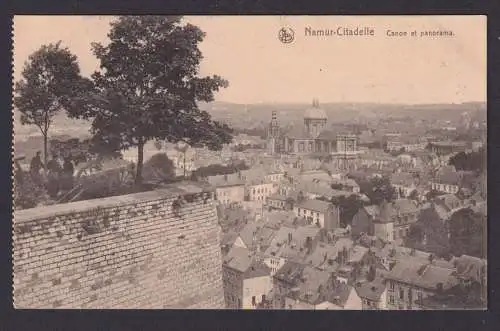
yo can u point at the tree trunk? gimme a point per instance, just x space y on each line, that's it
140 161
45 156
184 164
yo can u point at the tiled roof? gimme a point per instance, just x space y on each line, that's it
316 175
324 256
423 275
372 210
315 205
448 177
297 132
402 178
328 135
339 294
371 290
310 285
229 238
405 206
450 201
469 267
225 180
238 258
295 249
357 253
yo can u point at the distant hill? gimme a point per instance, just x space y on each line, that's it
258 115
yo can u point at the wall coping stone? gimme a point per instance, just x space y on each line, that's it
166 191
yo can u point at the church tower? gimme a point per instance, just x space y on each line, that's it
383 224
273 135
314 119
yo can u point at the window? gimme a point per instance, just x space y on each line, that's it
419 297
391 286
401 294
391 299
253 301
263 298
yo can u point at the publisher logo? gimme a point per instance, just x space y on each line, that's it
286 35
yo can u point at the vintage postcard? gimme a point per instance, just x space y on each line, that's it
250 162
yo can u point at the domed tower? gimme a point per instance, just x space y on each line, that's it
315 119
383 224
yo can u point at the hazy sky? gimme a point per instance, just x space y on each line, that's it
246 51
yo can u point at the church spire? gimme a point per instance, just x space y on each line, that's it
315 103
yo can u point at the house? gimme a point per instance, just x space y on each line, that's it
291 244
433 222
228 188
447 147
346 184
257 186
406 212
324 214
255 237
309 290
326 256
298 286
373 294
447 181
227 241
471 269
449 201
278 201
409 282
403 183
399 215
247 282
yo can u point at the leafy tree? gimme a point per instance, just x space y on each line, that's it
159 168
413 195
431 195
337 186
50 79
473 161
348 207
378 189
148 87
415 235
372 273
467 233
218 169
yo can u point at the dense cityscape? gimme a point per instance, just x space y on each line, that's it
315 209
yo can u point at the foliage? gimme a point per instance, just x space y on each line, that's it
467 233
27 192
413 195
348 207
378 189
148 87
372 273
432 194
50 80
337 186
473 161
244 147
218 169
415 235
159 168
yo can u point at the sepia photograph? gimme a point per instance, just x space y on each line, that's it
249 162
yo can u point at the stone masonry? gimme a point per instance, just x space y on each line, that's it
157 249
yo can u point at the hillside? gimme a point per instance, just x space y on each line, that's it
28 138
